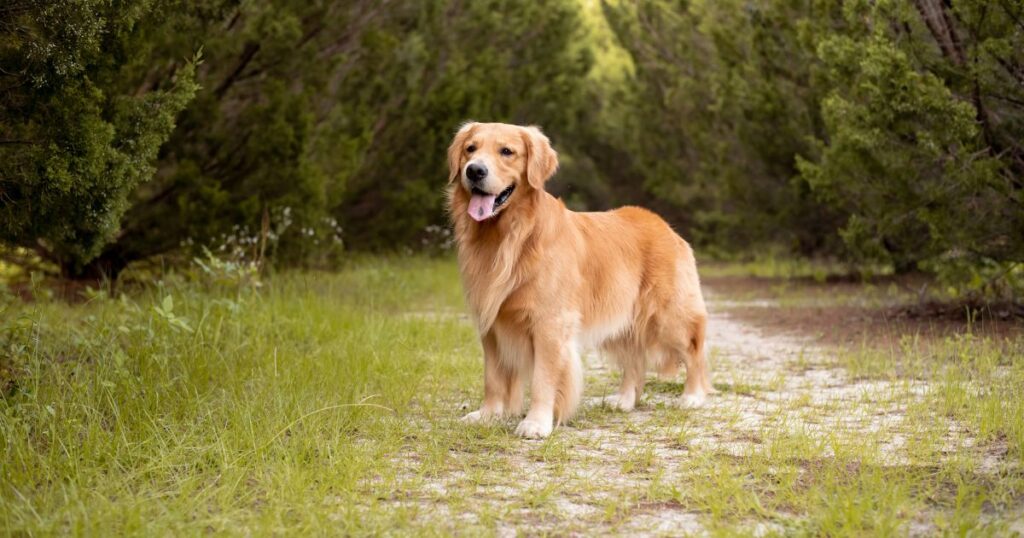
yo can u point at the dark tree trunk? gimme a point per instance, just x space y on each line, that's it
108 266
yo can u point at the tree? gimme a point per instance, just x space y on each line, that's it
252 147
457 61
878 130
924 128
726 97
895 125
77 136
329 120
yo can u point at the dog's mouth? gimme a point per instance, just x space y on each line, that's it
484 205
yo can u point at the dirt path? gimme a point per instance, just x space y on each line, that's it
609 471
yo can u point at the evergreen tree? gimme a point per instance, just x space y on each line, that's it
77 135
727 96
924 129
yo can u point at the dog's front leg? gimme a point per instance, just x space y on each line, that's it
556 385
498 380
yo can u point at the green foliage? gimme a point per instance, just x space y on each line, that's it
869 132
891 130
339 115
912 163
191 407
893 125
476 60
726 97
317 123
75 139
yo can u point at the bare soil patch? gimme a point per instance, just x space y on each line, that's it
845 312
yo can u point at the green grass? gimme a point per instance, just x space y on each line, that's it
979 382
774 267
235 410
328 403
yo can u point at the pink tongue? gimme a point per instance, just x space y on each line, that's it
481 206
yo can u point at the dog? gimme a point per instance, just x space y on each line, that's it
542 282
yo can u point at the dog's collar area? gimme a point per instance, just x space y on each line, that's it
503 196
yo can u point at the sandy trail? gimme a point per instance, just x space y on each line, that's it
768 383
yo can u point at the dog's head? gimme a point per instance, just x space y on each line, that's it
494 163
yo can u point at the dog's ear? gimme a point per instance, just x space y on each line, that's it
455 150
542 159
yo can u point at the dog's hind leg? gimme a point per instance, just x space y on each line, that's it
514 394
632 363
570 387
698 382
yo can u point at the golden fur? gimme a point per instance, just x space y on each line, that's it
542 281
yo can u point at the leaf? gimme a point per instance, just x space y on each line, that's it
182 323
168 304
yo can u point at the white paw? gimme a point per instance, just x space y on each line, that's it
620 402
478 416
693 400
532 429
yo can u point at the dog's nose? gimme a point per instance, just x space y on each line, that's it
476 172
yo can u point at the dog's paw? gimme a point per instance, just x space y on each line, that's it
693 401
620 402
532 429
478 416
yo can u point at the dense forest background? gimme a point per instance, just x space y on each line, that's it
886 134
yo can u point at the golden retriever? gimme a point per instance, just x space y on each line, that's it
543 282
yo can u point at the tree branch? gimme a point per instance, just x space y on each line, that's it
248 53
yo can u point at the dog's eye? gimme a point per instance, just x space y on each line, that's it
471 149
506 152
